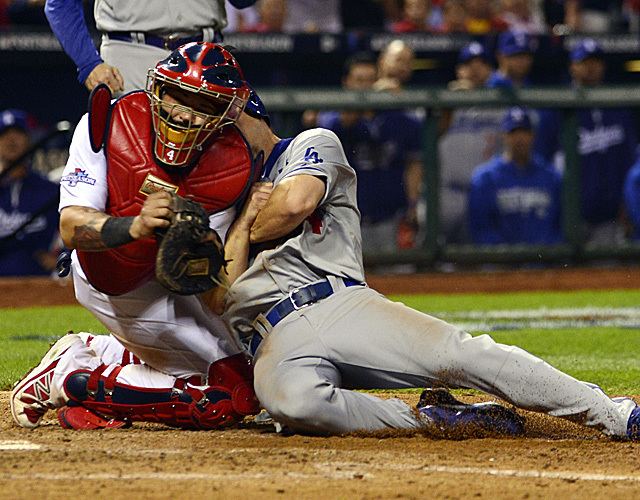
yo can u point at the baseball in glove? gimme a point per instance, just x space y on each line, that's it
190 253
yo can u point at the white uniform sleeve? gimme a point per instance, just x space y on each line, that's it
316 152
220 222
84 179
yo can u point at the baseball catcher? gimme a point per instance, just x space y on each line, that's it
153 182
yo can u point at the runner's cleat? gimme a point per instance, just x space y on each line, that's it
633 425
448 414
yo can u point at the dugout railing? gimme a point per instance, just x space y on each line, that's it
290 102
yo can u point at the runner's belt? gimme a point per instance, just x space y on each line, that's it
297 299
169 42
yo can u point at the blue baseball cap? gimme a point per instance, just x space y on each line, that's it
471 51
515 118
585 49
14 118
511 43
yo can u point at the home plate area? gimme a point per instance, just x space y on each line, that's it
554 458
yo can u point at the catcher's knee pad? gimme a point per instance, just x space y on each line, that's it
235 374
182 406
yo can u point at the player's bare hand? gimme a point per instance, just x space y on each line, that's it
256 200
104 73
155 214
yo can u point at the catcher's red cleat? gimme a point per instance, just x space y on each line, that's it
31 397
80 418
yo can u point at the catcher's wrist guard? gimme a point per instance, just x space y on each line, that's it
115 231
190 253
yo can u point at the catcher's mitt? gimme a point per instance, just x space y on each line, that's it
190 254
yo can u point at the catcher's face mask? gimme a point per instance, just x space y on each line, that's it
196 91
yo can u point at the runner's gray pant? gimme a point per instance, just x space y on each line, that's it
307 367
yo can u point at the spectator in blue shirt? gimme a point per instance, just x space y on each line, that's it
515 58
384 148
632 199
389 189
359 73
515 198
607 140
28 205
473 69
353 127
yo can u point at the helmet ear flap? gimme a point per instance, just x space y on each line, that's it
255 107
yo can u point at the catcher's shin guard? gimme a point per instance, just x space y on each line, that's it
235 374
81 418
184 405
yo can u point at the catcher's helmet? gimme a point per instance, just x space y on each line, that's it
194 92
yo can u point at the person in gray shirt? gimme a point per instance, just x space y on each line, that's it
471 136
135 35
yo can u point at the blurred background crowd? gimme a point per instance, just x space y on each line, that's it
501 169
476 17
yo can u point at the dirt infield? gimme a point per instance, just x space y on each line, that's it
555 459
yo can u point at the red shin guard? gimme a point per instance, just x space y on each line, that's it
235 374
182 406
81 418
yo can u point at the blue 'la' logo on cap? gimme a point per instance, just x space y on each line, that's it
517 114
475 48
8 119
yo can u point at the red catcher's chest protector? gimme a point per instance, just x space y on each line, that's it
221 178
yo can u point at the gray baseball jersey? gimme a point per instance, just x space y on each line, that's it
329 242
159 16
308 364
